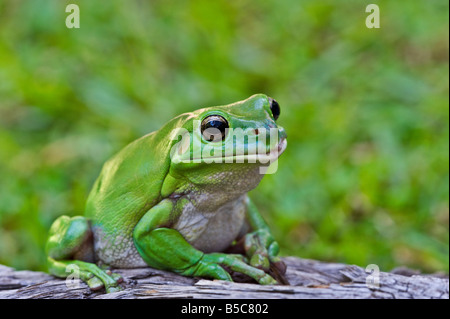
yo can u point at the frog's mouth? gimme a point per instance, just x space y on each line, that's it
266 158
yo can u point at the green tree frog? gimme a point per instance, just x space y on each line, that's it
157 203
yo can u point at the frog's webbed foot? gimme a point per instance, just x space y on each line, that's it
210 265
70 253
89 273
97 283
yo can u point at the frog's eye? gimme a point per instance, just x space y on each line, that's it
275 108
214 128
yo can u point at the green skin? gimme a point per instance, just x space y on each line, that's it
145 209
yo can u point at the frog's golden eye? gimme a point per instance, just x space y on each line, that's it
214 128
275 108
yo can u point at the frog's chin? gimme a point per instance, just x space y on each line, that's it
266 158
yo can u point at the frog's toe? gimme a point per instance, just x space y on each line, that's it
117 277
267 280
113 289
239 257
213 270
95 283
261 261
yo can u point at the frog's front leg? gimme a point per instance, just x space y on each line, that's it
70 243
260 246
165 248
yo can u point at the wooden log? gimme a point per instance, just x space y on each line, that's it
308 279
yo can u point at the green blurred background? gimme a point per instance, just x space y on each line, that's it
364 178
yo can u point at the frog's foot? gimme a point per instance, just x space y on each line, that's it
210 265
91 274
97 283
262 250
70 253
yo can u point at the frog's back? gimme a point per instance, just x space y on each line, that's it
128 186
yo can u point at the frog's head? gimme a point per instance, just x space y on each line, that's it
241 138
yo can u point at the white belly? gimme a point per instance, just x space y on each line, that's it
212 231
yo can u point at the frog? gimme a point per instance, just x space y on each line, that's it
157 204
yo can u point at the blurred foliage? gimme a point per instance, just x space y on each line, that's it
365 176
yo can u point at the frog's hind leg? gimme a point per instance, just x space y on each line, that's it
70 243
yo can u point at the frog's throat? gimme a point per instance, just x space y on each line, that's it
270 156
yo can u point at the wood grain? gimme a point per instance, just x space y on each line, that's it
308 279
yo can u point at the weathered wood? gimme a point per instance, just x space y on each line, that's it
308 279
